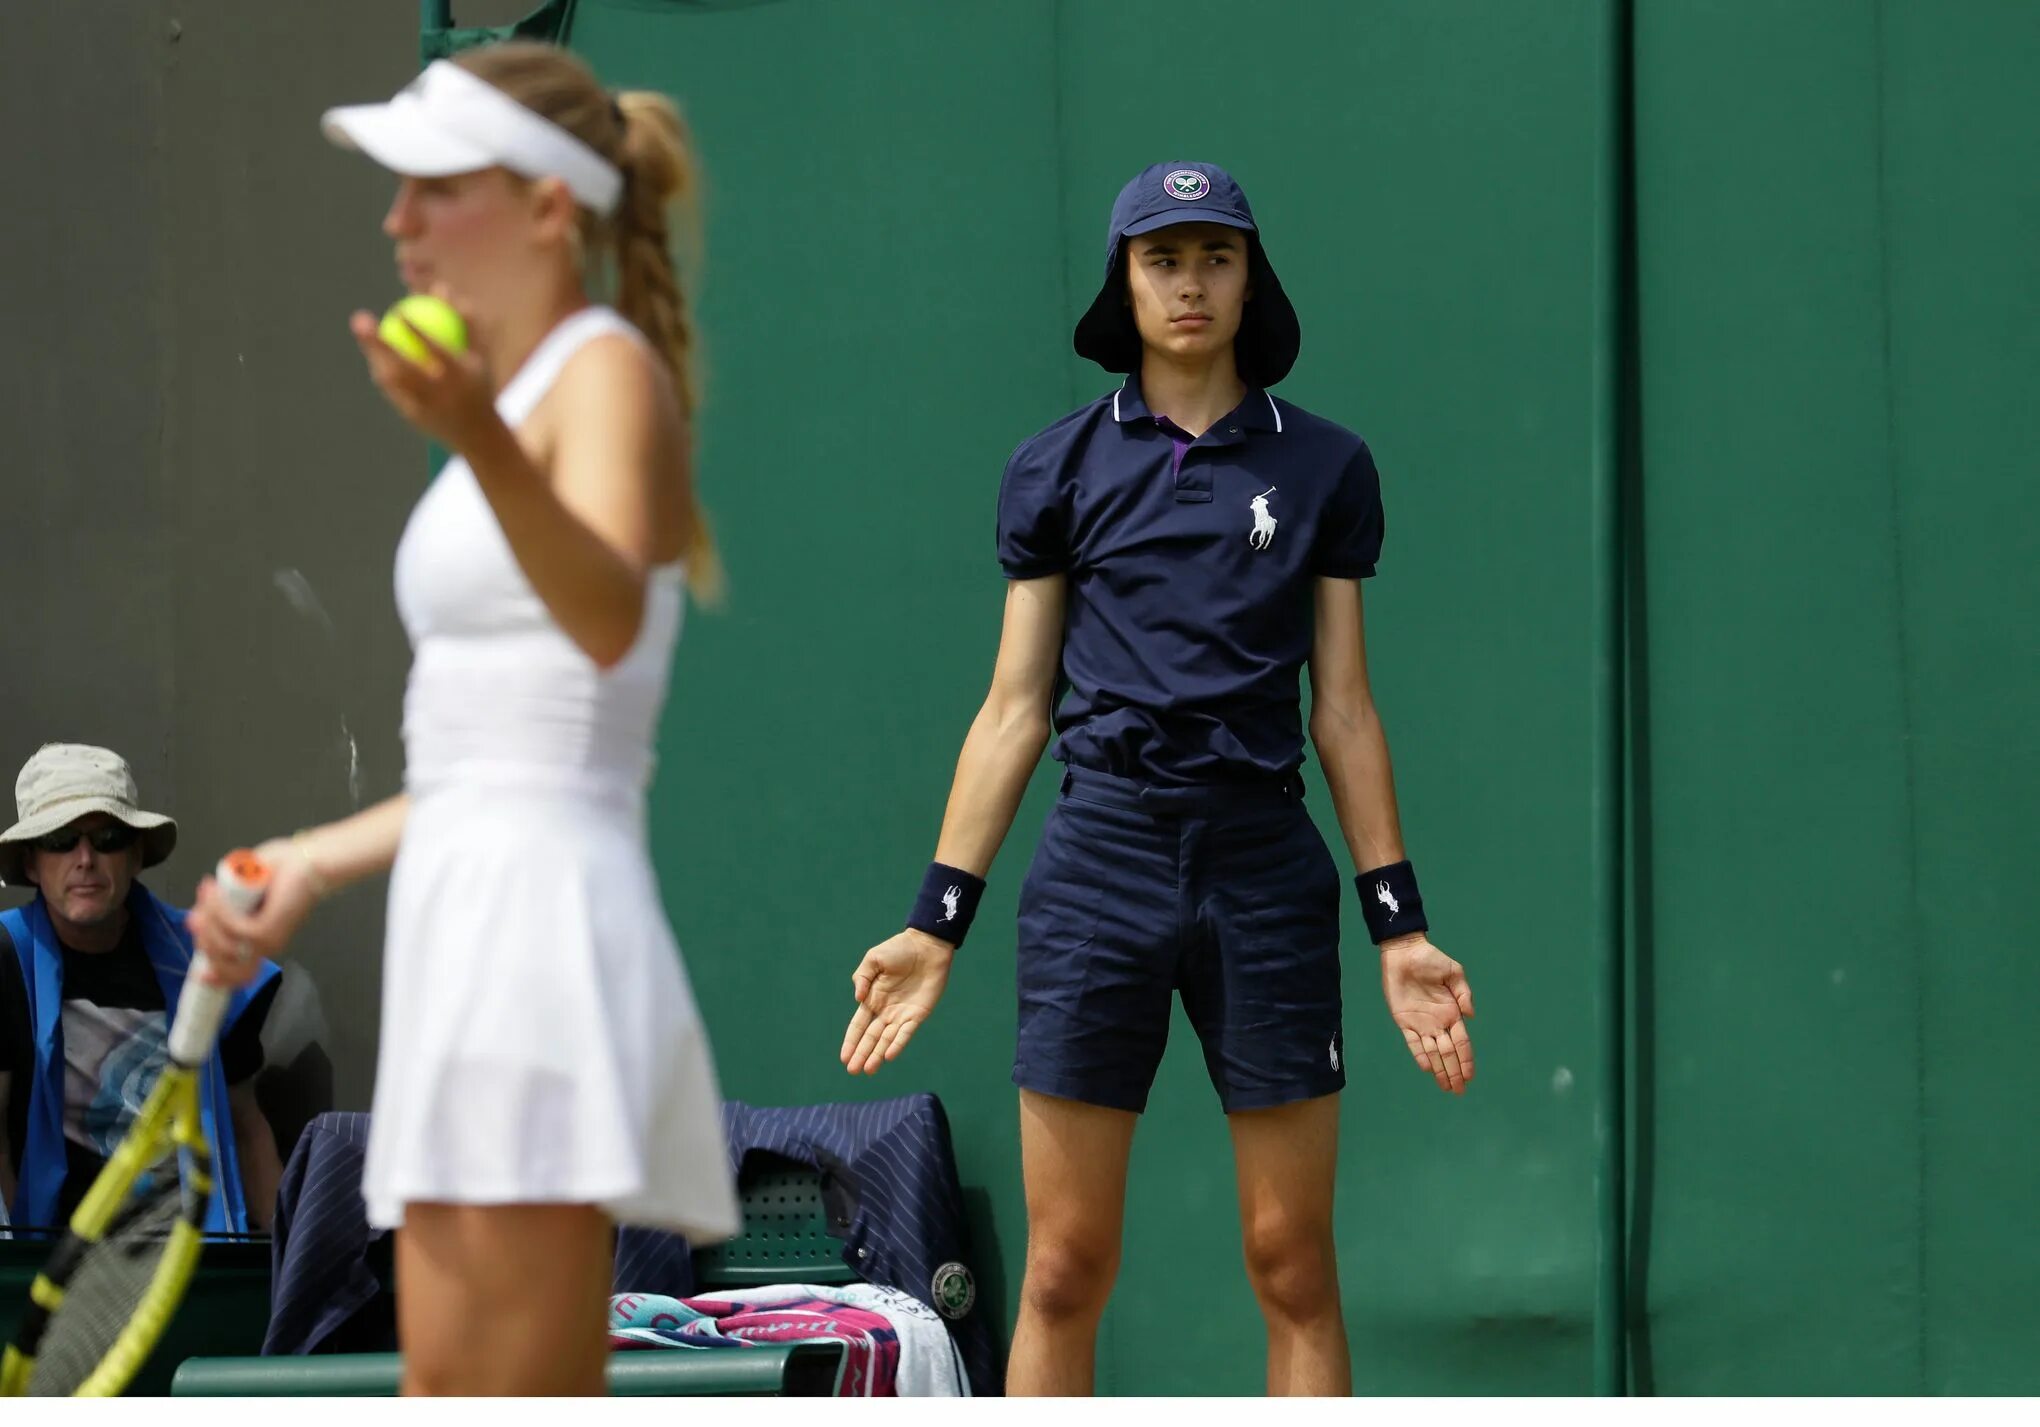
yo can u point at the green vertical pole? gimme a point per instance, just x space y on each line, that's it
435 18
1611 288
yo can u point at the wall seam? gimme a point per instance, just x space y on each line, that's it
1913 928
1638 925
1611 706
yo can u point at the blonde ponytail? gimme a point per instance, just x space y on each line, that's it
658 182
643 134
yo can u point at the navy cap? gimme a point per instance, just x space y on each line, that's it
1164 195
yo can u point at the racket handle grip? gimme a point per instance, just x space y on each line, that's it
242 878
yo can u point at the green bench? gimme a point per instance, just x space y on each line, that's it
785 1239
771 1370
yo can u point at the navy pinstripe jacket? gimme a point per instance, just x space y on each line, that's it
888 1179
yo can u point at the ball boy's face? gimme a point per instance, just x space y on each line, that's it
1188 287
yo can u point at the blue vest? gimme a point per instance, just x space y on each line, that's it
167 944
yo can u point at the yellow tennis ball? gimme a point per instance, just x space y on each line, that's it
436 319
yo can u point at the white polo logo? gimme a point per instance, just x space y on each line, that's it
1263 533
1187 185
1335 1053
1387 899
949 903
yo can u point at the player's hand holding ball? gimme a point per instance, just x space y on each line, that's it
418 356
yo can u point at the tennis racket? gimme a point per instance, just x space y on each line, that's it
113 1281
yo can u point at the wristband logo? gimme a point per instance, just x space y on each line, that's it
950 902
1387 898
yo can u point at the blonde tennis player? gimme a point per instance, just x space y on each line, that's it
543 1073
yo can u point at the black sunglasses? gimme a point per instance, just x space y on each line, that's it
114 837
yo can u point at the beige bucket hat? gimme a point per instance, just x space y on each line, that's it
65 782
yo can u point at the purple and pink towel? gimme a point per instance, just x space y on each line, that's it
893 1345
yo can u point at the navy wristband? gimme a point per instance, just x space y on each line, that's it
1390 901
948 901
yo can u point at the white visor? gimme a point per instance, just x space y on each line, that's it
447 121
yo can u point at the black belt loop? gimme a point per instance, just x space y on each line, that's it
1068 778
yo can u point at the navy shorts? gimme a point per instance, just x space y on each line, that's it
1226 895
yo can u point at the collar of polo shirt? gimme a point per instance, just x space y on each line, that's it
1257 410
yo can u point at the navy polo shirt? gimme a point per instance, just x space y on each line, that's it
1191 566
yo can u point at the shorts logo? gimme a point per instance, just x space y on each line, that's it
1335 1053
1187 185
1263 533
1387 899
950 899
954 1290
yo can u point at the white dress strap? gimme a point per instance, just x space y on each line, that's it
550 357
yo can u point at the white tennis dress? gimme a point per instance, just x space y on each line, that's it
540 1043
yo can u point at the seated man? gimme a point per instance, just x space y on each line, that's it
89 973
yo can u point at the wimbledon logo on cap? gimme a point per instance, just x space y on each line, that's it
1188 185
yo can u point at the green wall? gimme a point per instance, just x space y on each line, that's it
907 206
1813 357
1838 352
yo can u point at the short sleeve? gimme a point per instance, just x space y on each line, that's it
241 1047
1033 528
1349 539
